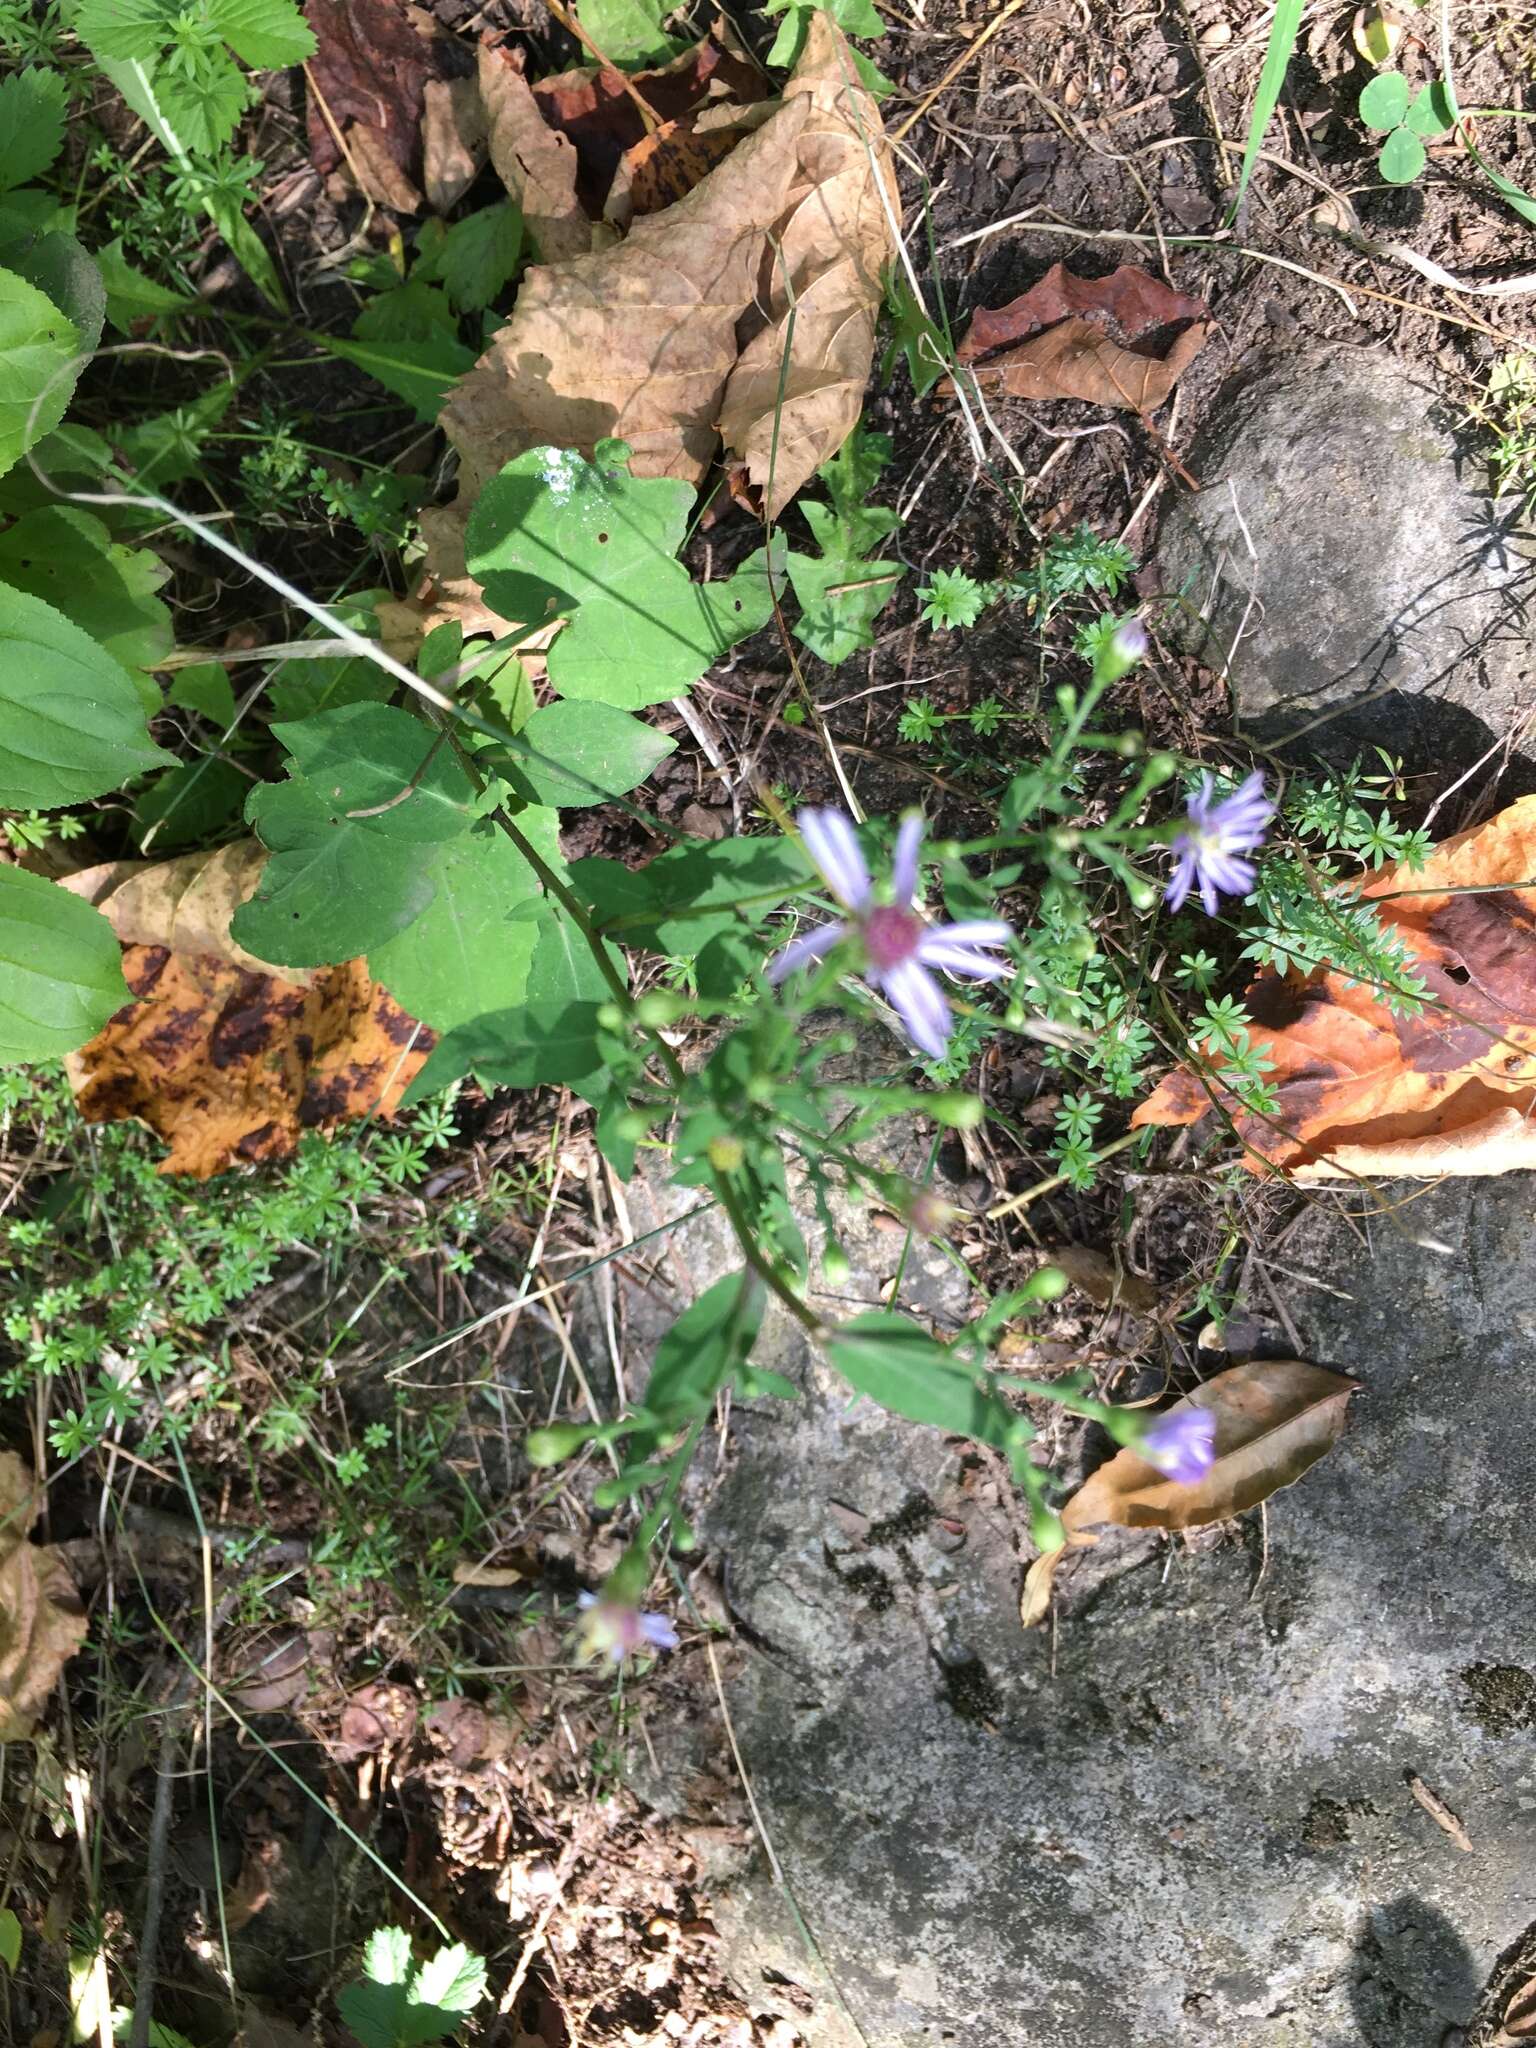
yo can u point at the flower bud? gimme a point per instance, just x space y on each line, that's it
659 1008
835 1269
1045 1527
556 1442
610 1017
725 1153
1047 1283
959 1112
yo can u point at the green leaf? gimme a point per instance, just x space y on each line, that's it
31 125
1284 27
628 32
387 1957
854 17
132 296
414 311
188 804
38 346
10 1938
839 601
690 894
1514 196
470 951
572 754
67 557
478 255
369 789
1431 113
204 687
297 688
269 35
914 336
167 447
420 372
644 645
61 974
554 531
375 2012
71 725
67 277
1403 157
1384 101
452 1981
904 1369
204 106
704 1348
125 31
247 248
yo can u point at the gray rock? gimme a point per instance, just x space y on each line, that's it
1183 1817
1343 567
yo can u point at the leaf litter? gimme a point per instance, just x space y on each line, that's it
1363 1090
1274 1419
42 1623
224 1057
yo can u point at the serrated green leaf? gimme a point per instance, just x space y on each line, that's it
571 754
915 337
38 347
167 447
10 1938
204 106
628 32
61 974
31 125
387 1957
420 372
67 557
375 2012
370 789
417 310
130 294
451 1982
71 726
478 255
1384 101
469 951
125 31
839 601
1402 158
269 35
67 277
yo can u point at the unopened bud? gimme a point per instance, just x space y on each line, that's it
835 1269
610 1017
725 1153
660 1008
959 1112
555 1442
1048 1283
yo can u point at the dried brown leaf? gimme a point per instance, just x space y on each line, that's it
663 167
453 140
1105 1283
1502 1141
230 1067
641 341
1274 1419
537 165
1519 2022
186 903
378 176
797 392
41 1622
1101 339
369 73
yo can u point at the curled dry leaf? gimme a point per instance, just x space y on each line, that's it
367 82
453 140
41 1622
1274 1418
1450 1090
537 165
642 341
225 1058
1122 340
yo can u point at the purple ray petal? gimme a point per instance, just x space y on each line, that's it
937 952
919 1002
976 931
1182 880
809 946
1181 1443
830 841
909 842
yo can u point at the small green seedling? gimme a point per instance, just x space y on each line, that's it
398 2003
1407 120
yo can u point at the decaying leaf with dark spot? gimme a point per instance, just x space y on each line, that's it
228 1060
1451 1090
1122 340
41 1621
1274 1418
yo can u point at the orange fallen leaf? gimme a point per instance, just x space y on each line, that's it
1274 1419
1447 1091
41 1621
1122 340
226 1059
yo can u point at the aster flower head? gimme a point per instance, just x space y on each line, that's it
611 1629
899 948
1206 853
1181 1443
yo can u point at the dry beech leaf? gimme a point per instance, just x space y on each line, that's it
378 176
640 341
1103 339
1447 1091
1274 1418
41 1622
661 168
537 165
453 140
225 1058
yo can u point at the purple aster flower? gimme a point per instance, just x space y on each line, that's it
899 948
1206 851
609 1628
1181 1443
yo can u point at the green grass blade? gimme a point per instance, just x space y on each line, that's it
1283 32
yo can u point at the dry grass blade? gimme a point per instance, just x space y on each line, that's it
1274 1419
